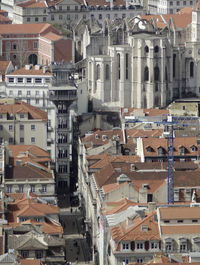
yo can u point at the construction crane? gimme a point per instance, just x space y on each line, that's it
170 124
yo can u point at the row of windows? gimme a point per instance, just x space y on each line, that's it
38 254
107 68
36 80
74 17
180 221
140 245
156 73
18 45
28 93
11 140
11 127
156 49
179 2
9 188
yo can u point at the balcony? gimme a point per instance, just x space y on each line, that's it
65 95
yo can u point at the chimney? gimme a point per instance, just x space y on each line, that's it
151 206
44 69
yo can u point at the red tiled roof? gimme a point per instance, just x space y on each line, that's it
171 213
3 67
134 232
146 112
31 72
4 19
32 150
116 207
180 229
52 36
30 262
38 28
22 107
179 142
30 207
99 137
33 4
181 20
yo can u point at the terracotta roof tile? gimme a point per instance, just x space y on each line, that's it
27 172
22 107
27 207
146 112
52 36
118 206
171 213
181 229
4 19
3 68
38 28
114 159
33 4
30 262
179 142
111 187
122 232
181 20
99 137
31 72
33 150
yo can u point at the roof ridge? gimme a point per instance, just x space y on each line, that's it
134 227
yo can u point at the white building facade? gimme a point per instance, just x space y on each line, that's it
31 84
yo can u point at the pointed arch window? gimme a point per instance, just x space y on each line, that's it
98 71
191 69
146 73
107 72
118 64
126 66
156 73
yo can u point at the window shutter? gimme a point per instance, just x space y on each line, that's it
146 245
132 245
160 245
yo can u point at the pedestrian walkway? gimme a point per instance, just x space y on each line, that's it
77 249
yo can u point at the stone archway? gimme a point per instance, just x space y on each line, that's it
33 59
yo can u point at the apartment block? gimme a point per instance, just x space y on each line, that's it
43 44
22 123
71 12
31 85
28 171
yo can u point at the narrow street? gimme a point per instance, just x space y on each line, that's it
77 247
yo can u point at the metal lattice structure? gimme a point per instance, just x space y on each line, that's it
170 123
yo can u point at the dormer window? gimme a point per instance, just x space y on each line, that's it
144 228
182 150
96 136
104 137
149 149
193 148
125 246
160 151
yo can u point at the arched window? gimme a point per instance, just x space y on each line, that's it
98 71
156 101
166 74
118 64
107 72
156 73
191 69
146 49
156 49
126 65
146 73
